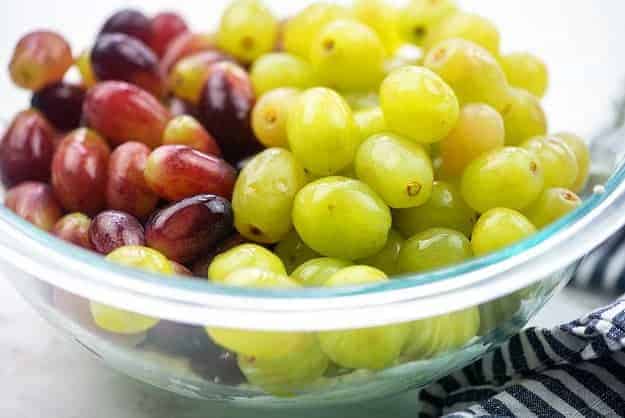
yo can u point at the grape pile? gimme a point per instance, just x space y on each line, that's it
284 154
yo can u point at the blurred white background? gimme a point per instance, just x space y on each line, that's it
581 41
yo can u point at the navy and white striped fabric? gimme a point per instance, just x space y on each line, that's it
574 370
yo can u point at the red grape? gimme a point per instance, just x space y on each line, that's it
26 149
166 26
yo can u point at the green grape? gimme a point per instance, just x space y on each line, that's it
369 122
446 209
368 348
315 272
120 321
467 26
419 18
242 257
260 344
418 104
556 159
495 313
281 69
270 115
526 71
508 177
480 129
321 131
301 29
293 251
372 348
381 16
432 336
433 249
259 278
524 118
499 228
399 170
141 258
425 339
247 30
552 205
186 78
341 217
347 55
263 195
355 276
361 100
85 69
461 327
582 154
285 376
471 71
387 259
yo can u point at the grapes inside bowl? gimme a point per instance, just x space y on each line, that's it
303 206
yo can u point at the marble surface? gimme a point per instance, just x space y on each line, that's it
44 374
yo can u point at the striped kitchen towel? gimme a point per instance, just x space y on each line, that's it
574 370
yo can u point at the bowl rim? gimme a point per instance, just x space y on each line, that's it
412 297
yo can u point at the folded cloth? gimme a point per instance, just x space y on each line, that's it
577 369
574 370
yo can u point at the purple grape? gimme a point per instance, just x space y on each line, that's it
218 366
181 339
113 229
225 105
61 104
121 57
129 22
187 229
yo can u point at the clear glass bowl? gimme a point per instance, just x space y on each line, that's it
507 287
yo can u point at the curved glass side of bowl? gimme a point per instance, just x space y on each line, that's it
178 357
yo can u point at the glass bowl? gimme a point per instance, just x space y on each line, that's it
507 288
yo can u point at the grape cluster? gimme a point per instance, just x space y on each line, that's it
283 154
